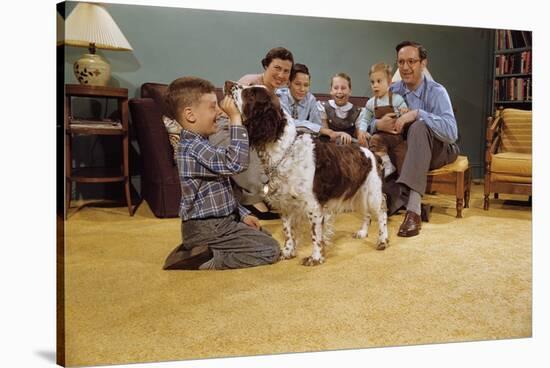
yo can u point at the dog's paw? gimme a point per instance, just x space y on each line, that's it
310 261
287 254
360 234
382 245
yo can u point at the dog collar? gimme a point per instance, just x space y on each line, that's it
264 178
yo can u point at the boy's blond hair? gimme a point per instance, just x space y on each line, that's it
341 75
381 67
184 92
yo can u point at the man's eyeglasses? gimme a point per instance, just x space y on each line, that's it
409 62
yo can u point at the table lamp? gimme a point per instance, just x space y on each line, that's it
90 25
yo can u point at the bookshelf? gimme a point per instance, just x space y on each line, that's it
512 82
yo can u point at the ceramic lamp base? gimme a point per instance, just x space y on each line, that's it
92 70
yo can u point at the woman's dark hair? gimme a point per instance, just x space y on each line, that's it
277 53
422 52
299 68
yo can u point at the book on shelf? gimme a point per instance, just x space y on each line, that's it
508 39
95 124
519 63
513 67
513 89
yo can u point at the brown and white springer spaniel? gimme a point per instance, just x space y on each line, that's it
306 176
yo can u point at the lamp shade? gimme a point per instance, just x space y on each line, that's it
91 23
60 29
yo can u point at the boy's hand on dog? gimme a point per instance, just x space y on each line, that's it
387 123
363 138
228 106
344 137
252 221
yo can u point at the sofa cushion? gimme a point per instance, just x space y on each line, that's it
512 163
496 177
157 91
516 131
219 94
159 175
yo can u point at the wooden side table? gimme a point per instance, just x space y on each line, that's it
74 126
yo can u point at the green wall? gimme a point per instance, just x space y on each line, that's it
216 45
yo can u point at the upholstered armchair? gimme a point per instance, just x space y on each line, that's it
508 154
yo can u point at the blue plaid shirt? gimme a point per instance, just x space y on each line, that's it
204 172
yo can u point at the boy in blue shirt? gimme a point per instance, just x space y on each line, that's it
217 232
298 102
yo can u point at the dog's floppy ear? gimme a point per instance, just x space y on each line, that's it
263 116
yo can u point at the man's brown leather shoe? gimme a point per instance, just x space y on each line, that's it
411 225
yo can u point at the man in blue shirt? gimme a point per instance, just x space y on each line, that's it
431 133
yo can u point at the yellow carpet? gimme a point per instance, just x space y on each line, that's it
459 280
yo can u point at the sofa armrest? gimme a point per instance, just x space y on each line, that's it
492 137
156 151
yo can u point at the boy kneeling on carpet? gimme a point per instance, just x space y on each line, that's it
217 232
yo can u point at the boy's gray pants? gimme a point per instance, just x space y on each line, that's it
233 243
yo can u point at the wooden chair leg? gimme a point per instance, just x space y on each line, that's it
468 186
126 171
128 196
486 189
459 206
459 193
